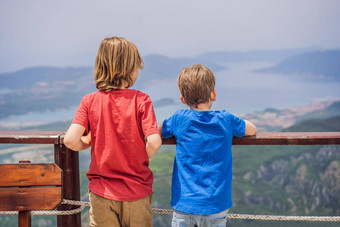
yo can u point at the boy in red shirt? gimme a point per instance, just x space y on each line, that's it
120 126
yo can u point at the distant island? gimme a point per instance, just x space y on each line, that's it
317 65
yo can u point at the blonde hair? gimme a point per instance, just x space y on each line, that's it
195 84
117 58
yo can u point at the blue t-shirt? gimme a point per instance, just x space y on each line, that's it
202 174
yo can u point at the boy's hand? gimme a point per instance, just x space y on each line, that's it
160 126
250 129
87 139
73 138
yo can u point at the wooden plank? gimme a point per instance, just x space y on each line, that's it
283 138
33 174
30 137
20 199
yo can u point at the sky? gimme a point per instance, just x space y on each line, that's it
68 33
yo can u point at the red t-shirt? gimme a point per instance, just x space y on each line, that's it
119 121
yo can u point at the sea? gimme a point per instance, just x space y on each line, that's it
239 89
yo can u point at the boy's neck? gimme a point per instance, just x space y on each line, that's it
203 106
124 85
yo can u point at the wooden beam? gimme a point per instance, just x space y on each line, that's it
262 138
283 138
30 137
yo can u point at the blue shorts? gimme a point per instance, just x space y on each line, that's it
181 219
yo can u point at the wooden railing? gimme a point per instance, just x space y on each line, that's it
68 160
283 138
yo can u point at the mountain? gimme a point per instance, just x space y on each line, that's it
42 89
254 56
161 67
288 180
332 110
272 119
318 65
42 76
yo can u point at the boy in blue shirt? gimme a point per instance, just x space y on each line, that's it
202 174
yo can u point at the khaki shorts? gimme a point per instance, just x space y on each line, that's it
107 212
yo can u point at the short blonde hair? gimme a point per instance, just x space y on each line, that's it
195 84
117 58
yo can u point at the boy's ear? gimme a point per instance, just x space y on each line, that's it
213 95
182 99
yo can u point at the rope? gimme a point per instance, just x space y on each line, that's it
161 211
58 212
55 212
74 202
284 218
166 211
267 217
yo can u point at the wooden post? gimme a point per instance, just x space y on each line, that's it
68 161
24 218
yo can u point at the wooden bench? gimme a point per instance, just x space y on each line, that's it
29 186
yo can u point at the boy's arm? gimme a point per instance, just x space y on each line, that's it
75 140
250 129
160 127
153 143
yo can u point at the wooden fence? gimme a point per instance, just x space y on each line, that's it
68 160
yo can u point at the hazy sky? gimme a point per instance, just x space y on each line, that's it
68 32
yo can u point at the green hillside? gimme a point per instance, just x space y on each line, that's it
288 180
316 125
278 180
332 111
